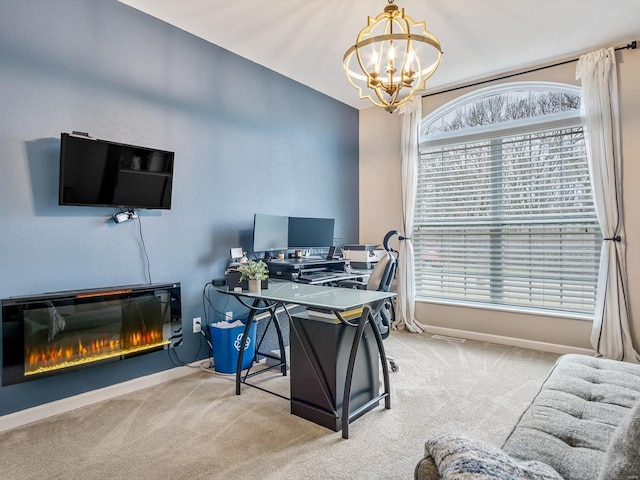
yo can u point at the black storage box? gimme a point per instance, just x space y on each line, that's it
233 280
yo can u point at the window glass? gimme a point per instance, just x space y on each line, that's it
504 211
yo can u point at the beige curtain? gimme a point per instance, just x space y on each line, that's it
411 114
611 335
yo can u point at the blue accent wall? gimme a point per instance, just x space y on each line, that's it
246 140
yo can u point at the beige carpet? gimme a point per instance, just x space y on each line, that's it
197 428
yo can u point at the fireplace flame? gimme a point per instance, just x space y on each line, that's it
58 357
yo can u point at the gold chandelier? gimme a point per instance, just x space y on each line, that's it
389 62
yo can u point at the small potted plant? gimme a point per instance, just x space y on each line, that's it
254 272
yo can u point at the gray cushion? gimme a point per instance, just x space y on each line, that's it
571 421
622 461
460 458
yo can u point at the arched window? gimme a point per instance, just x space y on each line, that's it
504 212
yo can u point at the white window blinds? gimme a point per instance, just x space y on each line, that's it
507 218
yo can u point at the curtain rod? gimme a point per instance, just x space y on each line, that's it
630 46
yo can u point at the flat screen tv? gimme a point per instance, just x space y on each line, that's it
108 174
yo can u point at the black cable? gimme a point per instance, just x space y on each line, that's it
144 248
180 363
207 307
204 309
209 303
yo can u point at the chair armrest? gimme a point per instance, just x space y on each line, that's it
359 284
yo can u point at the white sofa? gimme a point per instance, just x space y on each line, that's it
584 424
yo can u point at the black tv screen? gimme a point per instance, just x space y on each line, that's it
306 232
108 174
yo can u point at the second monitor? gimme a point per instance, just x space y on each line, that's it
306 232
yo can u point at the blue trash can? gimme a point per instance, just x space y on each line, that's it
226 340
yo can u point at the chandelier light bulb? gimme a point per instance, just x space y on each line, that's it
374 63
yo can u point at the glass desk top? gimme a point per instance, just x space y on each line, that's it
320 296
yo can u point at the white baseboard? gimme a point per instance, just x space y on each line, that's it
510 341
40 412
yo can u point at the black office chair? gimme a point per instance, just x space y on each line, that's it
380 279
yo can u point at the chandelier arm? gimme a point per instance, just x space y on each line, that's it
394 99
380 97
408 50
363 68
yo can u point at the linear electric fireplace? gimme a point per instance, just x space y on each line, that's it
53 333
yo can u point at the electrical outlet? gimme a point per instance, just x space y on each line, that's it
197 325
228 316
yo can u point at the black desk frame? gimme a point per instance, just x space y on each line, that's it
261 304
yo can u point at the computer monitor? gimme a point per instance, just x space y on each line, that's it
305 232
270 233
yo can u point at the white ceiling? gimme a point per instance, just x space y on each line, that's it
306 39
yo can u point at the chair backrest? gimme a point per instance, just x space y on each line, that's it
383 273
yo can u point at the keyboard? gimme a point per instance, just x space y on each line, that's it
319 277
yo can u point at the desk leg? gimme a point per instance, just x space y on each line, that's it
352 360
276 322
364 319
385 364
245 334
